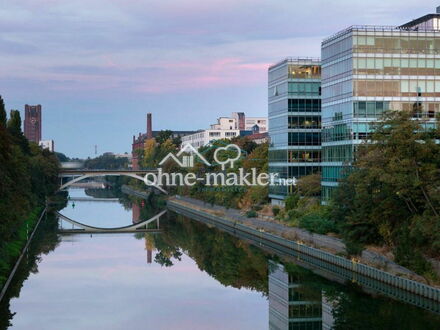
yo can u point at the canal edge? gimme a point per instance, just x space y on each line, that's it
405 284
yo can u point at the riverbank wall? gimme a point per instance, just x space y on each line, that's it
314 255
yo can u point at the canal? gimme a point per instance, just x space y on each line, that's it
186 275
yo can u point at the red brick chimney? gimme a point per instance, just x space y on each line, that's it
149 126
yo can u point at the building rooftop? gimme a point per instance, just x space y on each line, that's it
414 25
297 60
419 20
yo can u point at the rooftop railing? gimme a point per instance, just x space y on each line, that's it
381 28
306 60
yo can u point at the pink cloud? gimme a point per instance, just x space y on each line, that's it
210 74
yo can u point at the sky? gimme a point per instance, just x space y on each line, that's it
98 66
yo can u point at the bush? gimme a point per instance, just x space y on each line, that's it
407 255
293 214
317 224
257 208
275 210
251 214
291 202
353 248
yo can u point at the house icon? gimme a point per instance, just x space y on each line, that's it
186 160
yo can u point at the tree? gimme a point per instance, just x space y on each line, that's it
393 194
309 185
14 123
2 113
149 153
163 136
14 129
28 174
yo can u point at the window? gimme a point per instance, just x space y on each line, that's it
304 105
304 122
301 138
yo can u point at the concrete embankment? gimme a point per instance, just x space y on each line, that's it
319 249
329 244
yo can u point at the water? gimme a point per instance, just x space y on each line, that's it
188 276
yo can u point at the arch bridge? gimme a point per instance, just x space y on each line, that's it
81 174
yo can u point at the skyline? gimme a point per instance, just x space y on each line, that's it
98 67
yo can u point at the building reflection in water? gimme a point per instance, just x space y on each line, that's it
149 246
135 212
149 242
294 306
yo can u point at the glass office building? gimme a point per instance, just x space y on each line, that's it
294 121
367 70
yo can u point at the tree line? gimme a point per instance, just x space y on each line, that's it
28 175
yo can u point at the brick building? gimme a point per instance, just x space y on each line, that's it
32 122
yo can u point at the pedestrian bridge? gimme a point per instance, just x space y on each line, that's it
83 228
93 199
81 174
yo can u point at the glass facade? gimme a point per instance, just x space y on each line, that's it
366 71
291 306
294 121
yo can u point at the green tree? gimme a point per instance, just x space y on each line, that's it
14 129
309 185
2 113
393 193
162 136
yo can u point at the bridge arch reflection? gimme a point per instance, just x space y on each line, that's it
138 227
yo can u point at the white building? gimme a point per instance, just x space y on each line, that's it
227 128
202 138
247 123
47 144
261 122
225 123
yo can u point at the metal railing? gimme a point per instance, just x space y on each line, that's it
299 60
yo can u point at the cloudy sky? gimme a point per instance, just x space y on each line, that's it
98 66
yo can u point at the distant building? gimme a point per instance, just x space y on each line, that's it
225 123
227 128
47 144
32 122
124 155
244 123
259 138
240 119
202 138
139 141
261 122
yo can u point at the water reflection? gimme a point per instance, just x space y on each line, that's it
300 300
189 276
291 305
